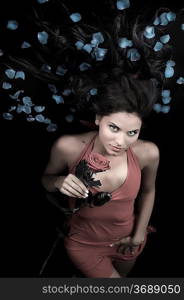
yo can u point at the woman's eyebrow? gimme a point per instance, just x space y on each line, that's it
128 130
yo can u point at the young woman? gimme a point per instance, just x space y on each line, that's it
105 241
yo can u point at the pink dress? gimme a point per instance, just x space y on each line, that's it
94 229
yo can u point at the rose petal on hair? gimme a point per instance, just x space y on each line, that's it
88 48
158 46
6 85
169 72
42 1
97 38
165 38
84 66
27 101
124 43
79 45
165 109
43 37
58 99
7 116
61 70
20 74
149 32
165 93
171 16
180 80
157 107
25 45
39 108
170 63
133 54
40 118
10 73
12 25
122 4
75 17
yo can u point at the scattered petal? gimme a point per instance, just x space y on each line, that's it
27 101
42 1
84 66
69 118
46 68
88 48
133 54
158 46
75 17
20 74
43 37
25 45
52 127
163 19
12 24
165 109
171 16
16 95
20 108
165 38
52 88
6 85
39 118
12 108
124 43
58 98
170 63
165 93
10 73
97 38
26 109
157 107
61 70
149 32
182 26
156 21
100 53
180 80
30 118
93 92
1 52
7 116
67 92
169 72
39 108
166 100
47 121
122 4
79 45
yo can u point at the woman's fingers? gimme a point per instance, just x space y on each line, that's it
73 187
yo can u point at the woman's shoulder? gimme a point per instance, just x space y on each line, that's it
146 152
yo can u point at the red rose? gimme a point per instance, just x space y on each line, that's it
97 162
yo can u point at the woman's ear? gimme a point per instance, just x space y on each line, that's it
97 120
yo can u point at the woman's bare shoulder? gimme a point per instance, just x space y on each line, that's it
146 152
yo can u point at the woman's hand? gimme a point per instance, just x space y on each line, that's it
71 186
129 245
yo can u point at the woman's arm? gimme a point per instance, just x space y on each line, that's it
147 192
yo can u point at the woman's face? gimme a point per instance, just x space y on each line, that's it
117 130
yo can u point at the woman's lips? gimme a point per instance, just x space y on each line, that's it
115 148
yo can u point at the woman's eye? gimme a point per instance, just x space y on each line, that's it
114 127
132 133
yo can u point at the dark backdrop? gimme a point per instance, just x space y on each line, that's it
28 221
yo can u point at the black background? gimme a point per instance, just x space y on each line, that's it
28 221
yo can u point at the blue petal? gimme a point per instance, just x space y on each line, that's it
67 92
40 118
169 72
158 46
182 26
12 25
180 80
157 107
133 54
93 92
52 88
166 100
100 53
6 85
165 38
69 118
79 45
30 119
1 52
171 16
7 116
122 4
97 38
165 93
20 74
47 121
43 37
10 73
75 17
12 108
27 101
20 108
170 63
58 98
88 48
42 1
124 43
156 21
163 19
165 109
84 66
27 109
46 68
149 32
61 70
16 95
52 127
39 108
25 45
